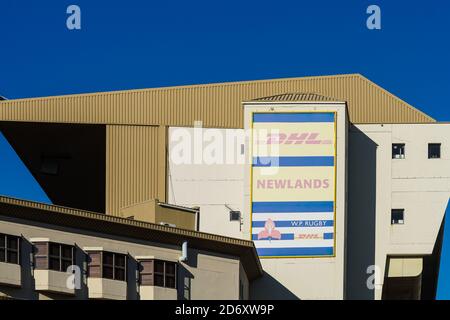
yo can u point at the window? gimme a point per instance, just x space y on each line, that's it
398 151
108 265
434 150
397 216
9 248
158 273
54 256
235 215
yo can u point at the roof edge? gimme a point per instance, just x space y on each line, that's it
74 214
370 82
188 86
116 219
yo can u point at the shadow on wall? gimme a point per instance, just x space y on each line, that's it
185 277
268 288
360 242
436 284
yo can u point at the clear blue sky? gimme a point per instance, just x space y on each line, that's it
140 44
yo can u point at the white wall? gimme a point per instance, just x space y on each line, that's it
417 184
208 186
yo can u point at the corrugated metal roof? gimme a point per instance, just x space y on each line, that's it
292 97
217 105
107 224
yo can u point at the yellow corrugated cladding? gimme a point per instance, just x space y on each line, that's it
135 165
217 105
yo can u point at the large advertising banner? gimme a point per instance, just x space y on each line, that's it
293 184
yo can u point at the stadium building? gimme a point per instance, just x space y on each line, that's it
321 188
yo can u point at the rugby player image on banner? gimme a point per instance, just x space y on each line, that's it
293 204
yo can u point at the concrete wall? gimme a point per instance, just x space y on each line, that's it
305 278
215 187
378 183
209 275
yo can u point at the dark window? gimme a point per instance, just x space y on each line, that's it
158 273
9 248
398 151
434 150
397 216
59 257
54 257
67 257
170 272
107 265
235 215
119 267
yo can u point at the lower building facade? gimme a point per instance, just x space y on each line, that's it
50 254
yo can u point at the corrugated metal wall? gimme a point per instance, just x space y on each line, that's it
217 105
135 165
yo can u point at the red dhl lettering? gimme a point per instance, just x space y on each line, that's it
296 138
312 236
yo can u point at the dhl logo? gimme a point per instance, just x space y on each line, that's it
296 138
310 236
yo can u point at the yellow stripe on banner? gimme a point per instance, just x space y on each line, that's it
293 184
293 139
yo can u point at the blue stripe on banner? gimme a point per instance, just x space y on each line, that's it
284 236
293 117
296 223
328 235
286 252
309 161
293 206
290 236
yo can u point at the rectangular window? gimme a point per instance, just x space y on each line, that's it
397 216
119 267
434 150
108 265
9 248
170 272
398 151
158 273
235 215
54 256
67 257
